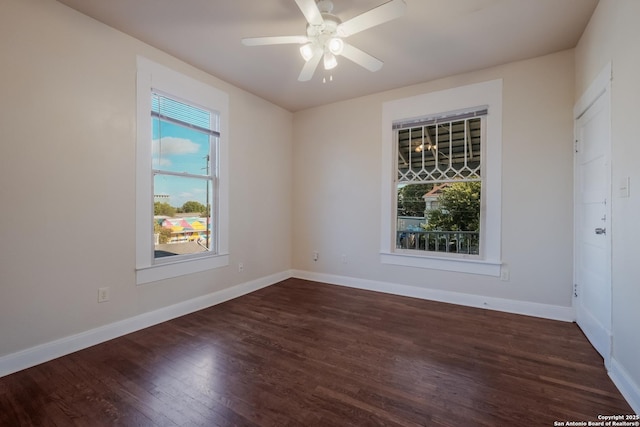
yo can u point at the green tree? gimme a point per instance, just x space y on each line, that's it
164 209
458 210
410 201
165 233
193 206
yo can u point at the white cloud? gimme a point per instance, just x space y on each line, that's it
186 195
174 146
164 162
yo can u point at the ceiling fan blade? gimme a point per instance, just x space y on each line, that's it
310 67
310 11
262 41
376 16
361 58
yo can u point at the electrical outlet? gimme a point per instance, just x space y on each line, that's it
344 259
504 273
240 267
103 294
316 255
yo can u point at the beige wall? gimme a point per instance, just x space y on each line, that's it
337 166
67 179
613 35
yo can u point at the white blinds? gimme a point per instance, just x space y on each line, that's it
186 115
441 118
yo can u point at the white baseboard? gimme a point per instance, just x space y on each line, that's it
48 351
42 353
546 311
629 389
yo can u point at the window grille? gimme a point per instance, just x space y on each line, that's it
440 149
440 162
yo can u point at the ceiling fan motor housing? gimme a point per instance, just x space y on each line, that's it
329 27
325 37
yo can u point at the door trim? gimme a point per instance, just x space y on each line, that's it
601 84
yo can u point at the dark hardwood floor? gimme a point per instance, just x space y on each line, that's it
301 353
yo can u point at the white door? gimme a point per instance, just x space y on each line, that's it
592 224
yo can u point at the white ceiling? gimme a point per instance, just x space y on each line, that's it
436 38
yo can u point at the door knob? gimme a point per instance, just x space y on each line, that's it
601 231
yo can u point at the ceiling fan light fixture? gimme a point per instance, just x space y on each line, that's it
323 39
335 45
307 51
330 61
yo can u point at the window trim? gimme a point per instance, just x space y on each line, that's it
432 104
151 75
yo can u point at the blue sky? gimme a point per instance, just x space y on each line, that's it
179 149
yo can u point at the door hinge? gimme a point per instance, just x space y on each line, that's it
575 145
575 290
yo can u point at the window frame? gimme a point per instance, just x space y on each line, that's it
155 77
462 98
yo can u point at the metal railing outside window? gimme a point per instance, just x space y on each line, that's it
460 242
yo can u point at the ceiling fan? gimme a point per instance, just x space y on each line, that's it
326 34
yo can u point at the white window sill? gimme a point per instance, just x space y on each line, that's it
460 265
178 268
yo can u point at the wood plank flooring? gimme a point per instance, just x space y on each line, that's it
301 353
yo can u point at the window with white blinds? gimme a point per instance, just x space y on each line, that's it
184 146
182 184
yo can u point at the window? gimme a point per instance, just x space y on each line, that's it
184 161
442 180
439 183
182 190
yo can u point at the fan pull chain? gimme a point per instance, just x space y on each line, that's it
324 79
